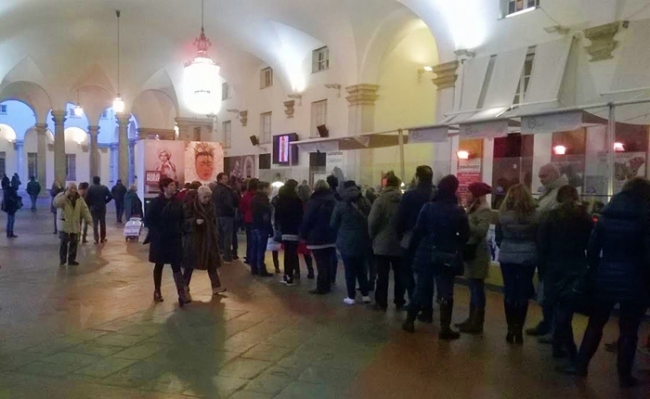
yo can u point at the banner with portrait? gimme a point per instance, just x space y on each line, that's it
203 161
163 158
241 167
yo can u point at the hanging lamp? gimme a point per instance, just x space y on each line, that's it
78 111
118 103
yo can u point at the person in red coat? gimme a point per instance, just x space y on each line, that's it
247 214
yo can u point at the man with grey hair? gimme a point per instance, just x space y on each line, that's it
71 210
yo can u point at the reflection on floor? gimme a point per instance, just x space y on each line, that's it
94 332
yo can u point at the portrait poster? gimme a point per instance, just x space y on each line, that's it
627 165
163 158
203 161
241 167
469 171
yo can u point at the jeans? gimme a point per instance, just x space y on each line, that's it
384 264
517 282
11 220
119 210
408 277
68 248
563 330
429 279
249 241
630 316
226 225
235 239
99 226
334 267
33 198
276 261
323 259
291 260
84 230
476 293
260 238
355 271
56 230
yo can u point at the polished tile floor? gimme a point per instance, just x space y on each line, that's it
92 331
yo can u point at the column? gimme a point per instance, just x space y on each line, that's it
185 129
132 176
58 117
93 131
361 119
19 146
114 161
41 162
444 154
123 148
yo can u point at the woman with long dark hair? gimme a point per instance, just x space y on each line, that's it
288 218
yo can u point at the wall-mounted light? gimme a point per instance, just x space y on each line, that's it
423 70
559 150
619 147
463 154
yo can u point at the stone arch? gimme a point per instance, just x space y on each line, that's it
94 99
20 116
29 93
155 109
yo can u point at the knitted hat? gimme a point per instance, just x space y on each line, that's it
448 185
479 189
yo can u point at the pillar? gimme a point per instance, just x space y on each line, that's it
93 131
123 148
361 119
58 117
184 129
443 157
19 145
41 151
132 176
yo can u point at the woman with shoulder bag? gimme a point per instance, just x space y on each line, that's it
516 236
477 257
440 233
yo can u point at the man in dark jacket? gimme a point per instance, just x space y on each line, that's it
223 198
33 190
97 197
119 192
407 215
261 228
247 215
333 182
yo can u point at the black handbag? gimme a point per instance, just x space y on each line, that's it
452 262
582 294
469 252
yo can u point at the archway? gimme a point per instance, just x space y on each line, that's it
8 153
77 155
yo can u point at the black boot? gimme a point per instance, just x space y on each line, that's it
626 352
472 311
446 311
180 287
426 316
521 311
511 319
409 323
475 325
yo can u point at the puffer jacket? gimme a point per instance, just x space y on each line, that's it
479 225
70 215
517 239
622 236
350 221
384 238
409 209
288 214
316 229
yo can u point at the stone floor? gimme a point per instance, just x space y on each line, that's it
94 332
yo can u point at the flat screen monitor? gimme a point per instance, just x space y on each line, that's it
283 153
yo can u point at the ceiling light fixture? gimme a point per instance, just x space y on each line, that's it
619 147
559 150
463 154
118 103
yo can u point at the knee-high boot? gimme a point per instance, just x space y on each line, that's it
412 313
180 287
475 326
446 311
511 318
588 348
520 312
470 318
626 351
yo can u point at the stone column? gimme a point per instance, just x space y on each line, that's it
58 116
20 161
132 176
123 148
361 119
41 163
444 154
93 131
184 129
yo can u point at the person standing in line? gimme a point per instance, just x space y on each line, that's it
319 236
200 240
304 193
15 181
477 256
33 190
350 221
165 219
272 245
223 199
56 189
132 204
83 190
333 182
386 244
235 184
11 203
552 181
288 218
97 197
119 192
618 255
247 215
440 234
516 236
72 210
407 215
261 229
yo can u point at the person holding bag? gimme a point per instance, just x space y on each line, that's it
439 235
477 257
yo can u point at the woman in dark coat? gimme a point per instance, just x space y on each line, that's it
132 204
200 240
288 218
319 235
563 238
619 254
11 203
165 220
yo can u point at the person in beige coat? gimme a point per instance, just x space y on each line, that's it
477 256
71 210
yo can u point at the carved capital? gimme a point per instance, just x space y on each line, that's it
163 134
289 108
446 75
84 148
243 118
93 131
602 41
58 117
362 94
123 119
41 128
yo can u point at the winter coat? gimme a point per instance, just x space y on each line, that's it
441 227
479 225
350 221
548 200
409 209
118 192
15 181
380 223
316 229
33 188
304 192
562 243
97 197
54 191
245 206
71 213
165 219
262 213
288 214
11 201
200 241
132 205
223 198
622 236
517 239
